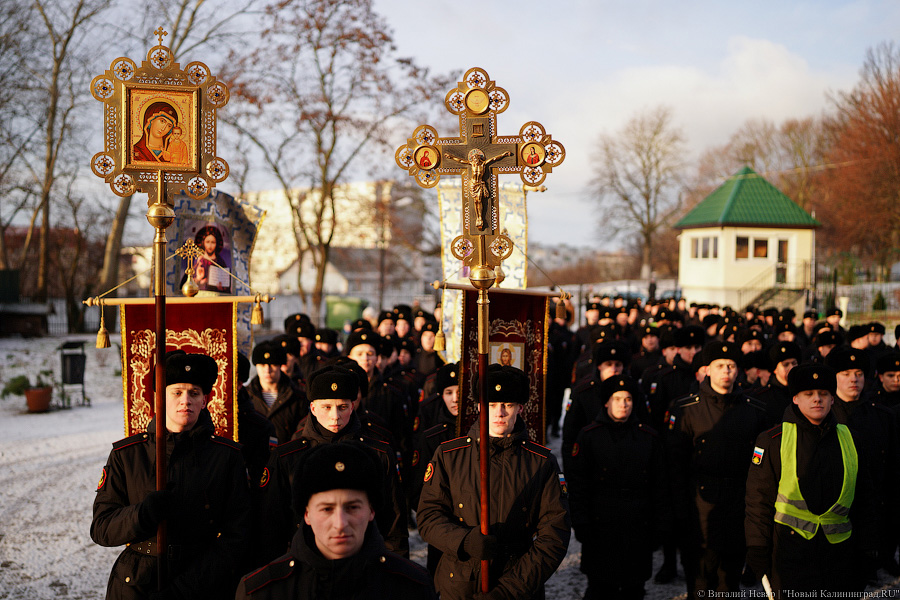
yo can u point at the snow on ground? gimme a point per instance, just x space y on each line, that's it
49 468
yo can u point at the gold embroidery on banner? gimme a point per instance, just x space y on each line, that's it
209 341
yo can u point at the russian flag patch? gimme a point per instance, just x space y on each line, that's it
758 455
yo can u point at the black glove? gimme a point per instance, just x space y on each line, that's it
760 560
477 545
156 507
485 596
163 595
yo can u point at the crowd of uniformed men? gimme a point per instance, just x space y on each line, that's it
752 446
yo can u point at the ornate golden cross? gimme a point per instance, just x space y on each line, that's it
478 155
191 252
160 33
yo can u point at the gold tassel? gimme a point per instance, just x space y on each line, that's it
440 344
256 317
102 334
561 306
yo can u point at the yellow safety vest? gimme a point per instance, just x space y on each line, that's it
790 507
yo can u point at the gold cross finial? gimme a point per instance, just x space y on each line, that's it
189 250
160 33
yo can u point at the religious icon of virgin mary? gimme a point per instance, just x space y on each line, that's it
161 138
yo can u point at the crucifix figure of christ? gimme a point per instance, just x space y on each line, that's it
477 188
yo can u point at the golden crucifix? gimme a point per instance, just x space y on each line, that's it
481 155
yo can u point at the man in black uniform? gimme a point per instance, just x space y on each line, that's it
877 429
257 434
444 407
710 438
309 358
272 392
783 357
649 353
674 382
332 420
591 316
338 552
529 529
206 506
618 492
810 508
610 358
887 391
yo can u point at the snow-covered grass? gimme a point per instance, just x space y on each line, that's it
50 464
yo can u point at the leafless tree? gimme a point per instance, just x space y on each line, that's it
18 130
58 79
317 98
638 178
790 156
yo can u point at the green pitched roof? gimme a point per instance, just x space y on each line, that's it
746 198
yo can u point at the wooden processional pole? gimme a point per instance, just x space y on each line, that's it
160 216
482 279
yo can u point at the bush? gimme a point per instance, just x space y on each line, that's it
880 303
17 386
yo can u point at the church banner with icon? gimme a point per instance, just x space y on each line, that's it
204 327
518 337
224 231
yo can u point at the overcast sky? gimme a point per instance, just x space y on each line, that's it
584 67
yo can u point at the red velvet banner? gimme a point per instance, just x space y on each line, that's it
204 327
518 337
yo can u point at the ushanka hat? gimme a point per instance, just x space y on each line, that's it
618 383
783 351
611 350
332 383
351 365
845 359
722 350
505 384
302 329
294 319
811 377
289 343
195 369
269 353
446 376
327 336
348 465
362 336
692 335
